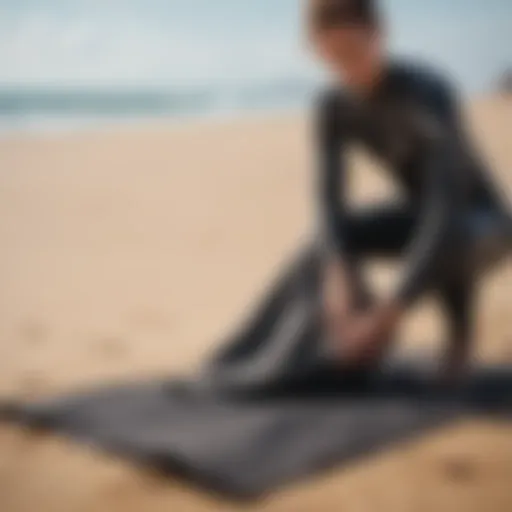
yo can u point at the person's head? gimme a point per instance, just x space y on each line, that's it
347 35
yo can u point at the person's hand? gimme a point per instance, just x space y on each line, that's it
338 314
367 335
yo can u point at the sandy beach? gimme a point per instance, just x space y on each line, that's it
133 252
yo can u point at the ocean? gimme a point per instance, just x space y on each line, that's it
68 64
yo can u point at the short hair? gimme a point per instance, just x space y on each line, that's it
328 13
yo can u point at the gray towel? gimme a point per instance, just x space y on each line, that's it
271 406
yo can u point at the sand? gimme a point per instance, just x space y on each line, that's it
133 252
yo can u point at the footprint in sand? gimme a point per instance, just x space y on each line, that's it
33 385
460 470
148 319
111 347
508 350
33 332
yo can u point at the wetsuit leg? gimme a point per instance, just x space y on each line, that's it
478 240
383 230
386 230
490 232
458 297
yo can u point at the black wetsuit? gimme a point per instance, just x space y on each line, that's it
450 209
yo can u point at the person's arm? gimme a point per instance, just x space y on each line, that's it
330 178
331 184
438 212
344 287
437 127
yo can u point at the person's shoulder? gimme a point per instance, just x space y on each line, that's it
332 105
427 89
419 78
432 99
331 99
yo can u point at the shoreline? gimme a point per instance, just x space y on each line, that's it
63 128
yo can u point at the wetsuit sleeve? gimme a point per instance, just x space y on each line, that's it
330 177
436 124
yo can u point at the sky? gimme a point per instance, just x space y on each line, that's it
185 43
